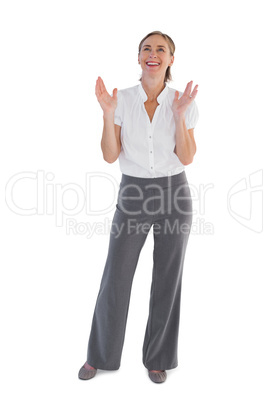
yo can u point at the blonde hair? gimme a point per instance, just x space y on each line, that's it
171 46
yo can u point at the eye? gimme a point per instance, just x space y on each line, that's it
161 49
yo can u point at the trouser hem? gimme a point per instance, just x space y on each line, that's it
161 368
103 367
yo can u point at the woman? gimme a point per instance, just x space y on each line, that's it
150 128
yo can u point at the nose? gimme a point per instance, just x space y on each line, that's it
152 54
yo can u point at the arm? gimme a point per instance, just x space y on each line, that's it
185 148
110 142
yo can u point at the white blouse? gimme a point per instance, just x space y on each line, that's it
148 147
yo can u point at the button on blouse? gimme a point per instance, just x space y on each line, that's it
148 147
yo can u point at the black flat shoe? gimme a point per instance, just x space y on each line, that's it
86 374
158 377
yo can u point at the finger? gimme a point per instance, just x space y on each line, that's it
97 89
176 95
102 86
97 86
193 96
188 88
115 93
195 91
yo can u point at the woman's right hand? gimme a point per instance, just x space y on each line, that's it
108 103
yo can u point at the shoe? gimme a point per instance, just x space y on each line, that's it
85 374
158 377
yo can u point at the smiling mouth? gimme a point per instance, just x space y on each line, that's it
152 64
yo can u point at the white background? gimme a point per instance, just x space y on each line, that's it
51 55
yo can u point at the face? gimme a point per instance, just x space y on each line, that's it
155 56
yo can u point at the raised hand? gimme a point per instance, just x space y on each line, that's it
107 102
179 106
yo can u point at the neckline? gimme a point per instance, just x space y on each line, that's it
160 97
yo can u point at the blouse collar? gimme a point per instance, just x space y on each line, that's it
160 97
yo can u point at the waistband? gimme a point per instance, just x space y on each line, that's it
165 181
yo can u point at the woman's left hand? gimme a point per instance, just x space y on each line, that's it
179 106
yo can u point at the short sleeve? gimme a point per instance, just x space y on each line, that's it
191 115
118 114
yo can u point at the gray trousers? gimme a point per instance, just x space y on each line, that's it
165 203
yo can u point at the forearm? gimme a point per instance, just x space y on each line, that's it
109 145
185 144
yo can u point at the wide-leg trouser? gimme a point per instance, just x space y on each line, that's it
164 203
